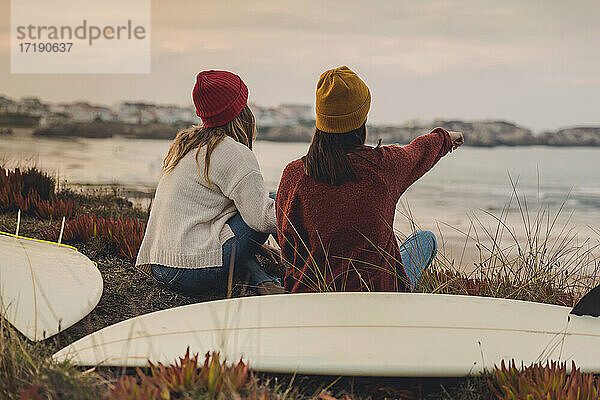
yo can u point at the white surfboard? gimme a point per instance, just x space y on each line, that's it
45 287
370 334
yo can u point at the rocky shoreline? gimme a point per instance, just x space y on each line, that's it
107 129
477 133
484 133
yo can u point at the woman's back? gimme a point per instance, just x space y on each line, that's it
211 212
335 207
187 223
349 228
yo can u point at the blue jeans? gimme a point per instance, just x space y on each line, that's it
198 281
417 252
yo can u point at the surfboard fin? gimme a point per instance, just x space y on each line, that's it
589 304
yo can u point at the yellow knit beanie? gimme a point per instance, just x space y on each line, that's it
343 101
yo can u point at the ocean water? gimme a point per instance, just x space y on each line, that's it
465 181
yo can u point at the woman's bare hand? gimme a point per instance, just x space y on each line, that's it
457 139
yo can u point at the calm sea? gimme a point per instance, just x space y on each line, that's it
465 181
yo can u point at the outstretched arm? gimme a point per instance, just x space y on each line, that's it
410 162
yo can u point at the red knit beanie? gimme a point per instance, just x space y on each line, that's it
219 96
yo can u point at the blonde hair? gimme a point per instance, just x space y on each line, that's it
242 129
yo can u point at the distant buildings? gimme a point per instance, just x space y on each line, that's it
28 105
84 112
7 105
143 113
32 106
285 122
283 115
54 118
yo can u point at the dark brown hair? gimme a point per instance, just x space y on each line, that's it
327 158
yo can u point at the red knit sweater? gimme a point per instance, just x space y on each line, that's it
341 238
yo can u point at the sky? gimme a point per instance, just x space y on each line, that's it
535 63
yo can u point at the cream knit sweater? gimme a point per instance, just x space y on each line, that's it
187 224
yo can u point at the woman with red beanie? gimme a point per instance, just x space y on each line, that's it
335 206
211 213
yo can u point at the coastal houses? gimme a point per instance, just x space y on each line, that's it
85 112
283 115
289 122
143 113
26 106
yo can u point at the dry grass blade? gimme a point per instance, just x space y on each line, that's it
543 262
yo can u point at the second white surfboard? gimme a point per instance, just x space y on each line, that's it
377 334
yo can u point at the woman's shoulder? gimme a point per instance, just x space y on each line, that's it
230 144
229 150
376 152
294 167
292 175
378 158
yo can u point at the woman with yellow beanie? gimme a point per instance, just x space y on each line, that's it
335 206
